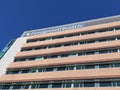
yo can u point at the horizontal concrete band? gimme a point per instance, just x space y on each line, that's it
63 75
72 39
84 29
85 47
68 60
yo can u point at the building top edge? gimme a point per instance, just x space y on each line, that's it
71 26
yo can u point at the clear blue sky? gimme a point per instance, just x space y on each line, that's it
16 16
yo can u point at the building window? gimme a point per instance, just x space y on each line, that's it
17 87
6 86
104 65
43 86
105 84
61 68
56 85
89 84
89 66
49 69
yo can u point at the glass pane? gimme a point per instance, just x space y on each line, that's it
117 64
57 85
26 86
104 65
54 56
68 85
25 71
43 86
104 84
40 70
33 85
61 68
17 87
89 53
76 84
15 72
89 84
89 66
78 67
103 51
6 86
64 55
70 67
118 83
49 69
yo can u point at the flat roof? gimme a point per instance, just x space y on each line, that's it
71 26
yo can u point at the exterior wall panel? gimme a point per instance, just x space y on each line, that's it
65 61
85 47
84 29
63 75
72 39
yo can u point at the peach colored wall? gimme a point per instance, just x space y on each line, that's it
72 39
93 46
63 75
68 60
89 28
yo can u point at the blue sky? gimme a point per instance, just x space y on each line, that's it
16 16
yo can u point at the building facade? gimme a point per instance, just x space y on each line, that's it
78 56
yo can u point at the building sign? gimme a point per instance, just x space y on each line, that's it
52 29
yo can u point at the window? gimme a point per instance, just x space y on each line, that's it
39 58
6 86
72 54
56 85
25 71
67 44
103 51
81 53
33 70
89 84
17 87
67 85
118 83
54 56
89 66
104 65
38 48
70 67
93 41
102 40
61 68
31 58
89 53
40 70
15 72
105 84
76 84
113 50
26 86
116 64
64 55
33 86
78 66
43 86
49 69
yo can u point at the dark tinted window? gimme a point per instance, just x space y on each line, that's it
17 87
89 84
105 84
43 86
6 86
57 85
